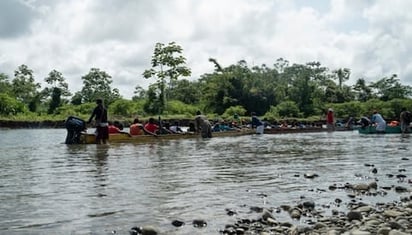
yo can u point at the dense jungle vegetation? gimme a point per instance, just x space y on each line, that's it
276 92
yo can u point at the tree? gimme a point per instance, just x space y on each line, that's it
341 75
167 65
25 88
390 88
186 91
97 84
362 91
139 92
5 86
59 88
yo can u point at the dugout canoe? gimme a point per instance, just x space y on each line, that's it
303 130
372 130
90 138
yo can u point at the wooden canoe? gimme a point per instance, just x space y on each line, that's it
302 130
372 130
89 138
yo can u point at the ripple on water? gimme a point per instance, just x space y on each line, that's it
48 187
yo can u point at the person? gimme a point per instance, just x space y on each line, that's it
405 118
203 125
191 128
175 128
330 120
379 121
113 129
365 122
100 115
257 123
151 128
136 128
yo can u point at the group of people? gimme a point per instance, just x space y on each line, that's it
405 118
201 125
380 123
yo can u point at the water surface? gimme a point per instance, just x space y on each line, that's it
47 187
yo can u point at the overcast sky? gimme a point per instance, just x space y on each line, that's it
372 38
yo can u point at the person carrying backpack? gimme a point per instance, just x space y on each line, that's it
405 118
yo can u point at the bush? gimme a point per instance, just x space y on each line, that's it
11 106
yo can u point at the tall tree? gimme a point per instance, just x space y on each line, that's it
25 88
342 75
168 64
59 88
362 90
97 84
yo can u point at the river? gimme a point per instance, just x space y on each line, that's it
47 187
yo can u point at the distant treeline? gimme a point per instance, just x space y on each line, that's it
280 91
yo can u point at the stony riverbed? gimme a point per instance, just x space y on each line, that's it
348 215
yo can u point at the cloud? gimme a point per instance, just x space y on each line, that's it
369 37
15 18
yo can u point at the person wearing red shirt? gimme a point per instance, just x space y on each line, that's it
136 128
113 129
151 127
330 120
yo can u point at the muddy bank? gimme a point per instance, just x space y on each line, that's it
60 124
31 124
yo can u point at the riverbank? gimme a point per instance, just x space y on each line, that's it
16 124
31 124
346 215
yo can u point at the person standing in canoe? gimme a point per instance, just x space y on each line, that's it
330 120
101 123
202 125
405 119
379 121
257 123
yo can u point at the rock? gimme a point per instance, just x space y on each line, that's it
383 231
361 187
178 223
230 212
396 232
354 215
360 232
394 225
310 175
309 204
392 213
364 209
267 214
401 176
199 223
295 213
146 230
256 209
400 189
373 185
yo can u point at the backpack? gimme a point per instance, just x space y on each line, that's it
407 117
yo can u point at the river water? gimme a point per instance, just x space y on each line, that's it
47 187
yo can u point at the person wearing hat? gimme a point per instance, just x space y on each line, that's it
101 123
330 120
